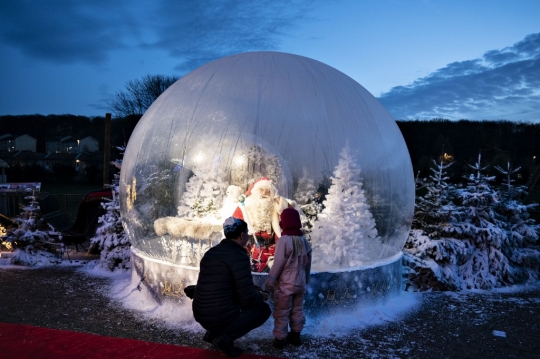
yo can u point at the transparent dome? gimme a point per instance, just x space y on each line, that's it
326 144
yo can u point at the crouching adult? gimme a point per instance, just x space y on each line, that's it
226 303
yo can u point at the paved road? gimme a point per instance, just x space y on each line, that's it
451 325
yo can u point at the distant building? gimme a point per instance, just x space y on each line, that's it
88 144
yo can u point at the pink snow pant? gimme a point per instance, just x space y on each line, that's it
289 310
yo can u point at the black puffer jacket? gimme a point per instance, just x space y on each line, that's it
225 285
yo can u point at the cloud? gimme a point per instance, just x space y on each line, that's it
503 84
196 32
64 31
191 31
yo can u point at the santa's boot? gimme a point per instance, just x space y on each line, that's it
294 338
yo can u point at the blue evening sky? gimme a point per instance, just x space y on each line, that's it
474 59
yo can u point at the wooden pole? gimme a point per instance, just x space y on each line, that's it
107 150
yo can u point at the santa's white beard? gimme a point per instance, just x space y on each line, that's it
260 213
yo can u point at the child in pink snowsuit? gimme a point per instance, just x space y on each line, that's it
288 278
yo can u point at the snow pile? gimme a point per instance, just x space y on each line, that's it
471 237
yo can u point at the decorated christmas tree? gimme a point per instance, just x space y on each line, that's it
29 239
346 218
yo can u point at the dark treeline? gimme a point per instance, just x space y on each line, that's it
44 128
497 141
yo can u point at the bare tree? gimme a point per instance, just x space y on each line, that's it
140 94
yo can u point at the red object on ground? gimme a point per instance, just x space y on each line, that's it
28 342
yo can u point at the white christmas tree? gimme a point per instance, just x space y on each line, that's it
204 192
307 198
346 223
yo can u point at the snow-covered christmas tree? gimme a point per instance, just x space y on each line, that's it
431 252
345 225
522 233
111 239
487 267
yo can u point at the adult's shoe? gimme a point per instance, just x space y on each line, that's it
226 345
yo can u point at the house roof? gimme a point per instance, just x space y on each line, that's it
25 135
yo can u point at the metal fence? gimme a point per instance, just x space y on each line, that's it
11 204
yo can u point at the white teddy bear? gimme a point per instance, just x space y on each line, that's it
231 201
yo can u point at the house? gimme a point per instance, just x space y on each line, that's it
67 144
88 144
7 142
25 143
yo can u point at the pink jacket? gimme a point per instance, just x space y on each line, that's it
292 265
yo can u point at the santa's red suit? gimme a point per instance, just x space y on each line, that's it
261 210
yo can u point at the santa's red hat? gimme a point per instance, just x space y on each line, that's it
261 183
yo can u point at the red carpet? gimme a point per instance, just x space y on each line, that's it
27 342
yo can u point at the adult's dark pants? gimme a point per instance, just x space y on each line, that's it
248 320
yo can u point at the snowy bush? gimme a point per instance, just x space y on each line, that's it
470 237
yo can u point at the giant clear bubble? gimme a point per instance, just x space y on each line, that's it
325 144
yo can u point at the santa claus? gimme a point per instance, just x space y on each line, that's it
261 210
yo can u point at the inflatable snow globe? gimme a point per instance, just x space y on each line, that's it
249 135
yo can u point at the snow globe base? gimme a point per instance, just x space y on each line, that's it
326 292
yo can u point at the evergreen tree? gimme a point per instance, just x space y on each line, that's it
431 243
345 225
520 229
487 267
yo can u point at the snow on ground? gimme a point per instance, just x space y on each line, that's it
180 315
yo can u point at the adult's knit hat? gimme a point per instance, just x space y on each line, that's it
233 227
290 222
